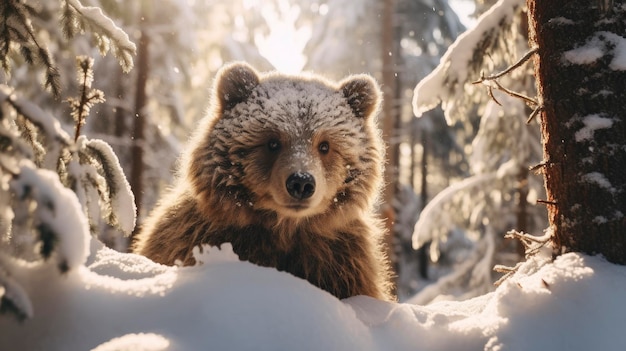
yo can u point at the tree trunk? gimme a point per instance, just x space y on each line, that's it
388 120
137 165
422 252
522 207
121 113
582 123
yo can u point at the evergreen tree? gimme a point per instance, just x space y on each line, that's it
467 221
580 70
54 188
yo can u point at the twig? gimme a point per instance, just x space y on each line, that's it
509 271
528 100
532 245
537 107
536 111
490 92
553 203
537 166
509 69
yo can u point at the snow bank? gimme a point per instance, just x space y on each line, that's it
124 301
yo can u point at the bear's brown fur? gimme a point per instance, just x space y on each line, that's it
287 169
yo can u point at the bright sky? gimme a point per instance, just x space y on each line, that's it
284 45
464 9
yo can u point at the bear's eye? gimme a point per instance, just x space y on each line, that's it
273 145
324 147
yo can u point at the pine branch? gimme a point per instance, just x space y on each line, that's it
13 298
82 105
17 31
108 36
39 119
118 200
18 35
69 21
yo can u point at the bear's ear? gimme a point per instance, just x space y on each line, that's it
234 84
362 93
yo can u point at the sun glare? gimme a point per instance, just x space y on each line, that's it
284 45
465 9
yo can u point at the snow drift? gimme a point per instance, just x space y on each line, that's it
119 301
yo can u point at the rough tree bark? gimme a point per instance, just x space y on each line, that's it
583 123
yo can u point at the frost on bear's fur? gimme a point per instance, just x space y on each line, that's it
287 169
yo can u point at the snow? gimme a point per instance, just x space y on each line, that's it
600 44
122 198
48 125
561 21
449 78
119 36
135 342
426 228
109 300
587 54
591 124
600 180
121 301
58 211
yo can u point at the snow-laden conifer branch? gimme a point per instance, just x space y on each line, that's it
120 208
427 227
44 135
16 29
93 168
13 298
58 218
96 166
490 43
78 18
17 34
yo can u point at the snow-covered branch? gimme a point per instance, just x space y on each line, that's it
449 84
436 212
121 210
108 35
57 214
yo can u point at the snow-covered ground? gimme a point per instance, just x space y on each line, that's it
119 301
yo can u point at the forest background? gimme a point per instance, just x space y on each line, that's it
471 165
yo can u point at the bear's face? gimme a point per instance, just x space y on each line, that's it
294 146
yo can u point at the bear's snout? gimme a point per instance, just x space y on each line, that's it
300 185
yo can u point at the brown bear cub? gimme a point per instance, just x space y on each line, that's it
287 169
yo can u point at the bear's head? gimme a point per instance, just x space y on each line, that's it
291 147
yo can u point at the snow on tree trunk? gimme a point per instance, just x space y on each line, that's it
581 70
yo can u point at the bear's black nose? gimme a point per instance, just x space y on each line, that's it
300 185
